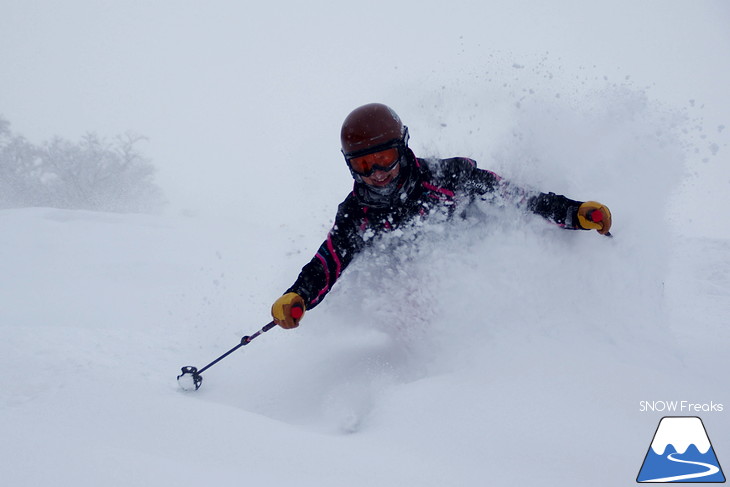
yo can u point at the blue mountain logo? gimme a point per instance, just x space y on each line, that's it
681 452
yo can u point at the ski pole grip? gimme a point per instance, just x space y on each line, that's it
296 312
595 216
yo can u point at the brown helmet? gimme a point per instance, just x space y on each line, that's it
371 126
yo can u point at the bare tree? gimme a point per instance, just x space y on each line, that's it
93 174
20 171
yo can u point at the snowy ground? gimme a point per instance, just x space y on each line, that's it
497 351
513 352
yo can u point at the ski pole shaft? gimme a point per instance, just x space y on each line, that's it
244 341
190 377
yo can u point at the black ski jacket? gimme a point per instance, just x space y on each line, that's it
441 185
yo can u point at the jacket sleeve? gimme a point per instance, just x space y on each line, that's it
556 208
318 276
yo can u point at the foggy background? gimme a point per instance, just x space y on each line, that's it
242 103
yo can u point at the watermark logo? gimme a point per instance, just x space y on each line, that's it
681 452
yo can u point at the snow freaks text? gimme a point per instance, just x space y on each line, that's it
680 407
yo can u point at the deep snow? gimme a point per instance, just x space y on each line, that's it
501 348
497 351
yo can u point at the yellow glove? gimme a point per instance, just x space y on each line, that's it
288 310
592 215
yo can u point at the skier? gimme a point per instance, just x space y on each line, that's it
394 188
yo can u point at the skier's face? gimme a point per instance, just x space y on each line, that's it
381 178
378 168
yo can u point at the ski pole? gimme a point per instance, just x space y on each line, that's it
190 379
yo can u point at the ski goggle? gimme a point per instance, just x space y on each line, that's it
379 158
384 160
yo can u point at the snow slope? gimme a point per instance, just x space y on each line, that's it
509 351
496 351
